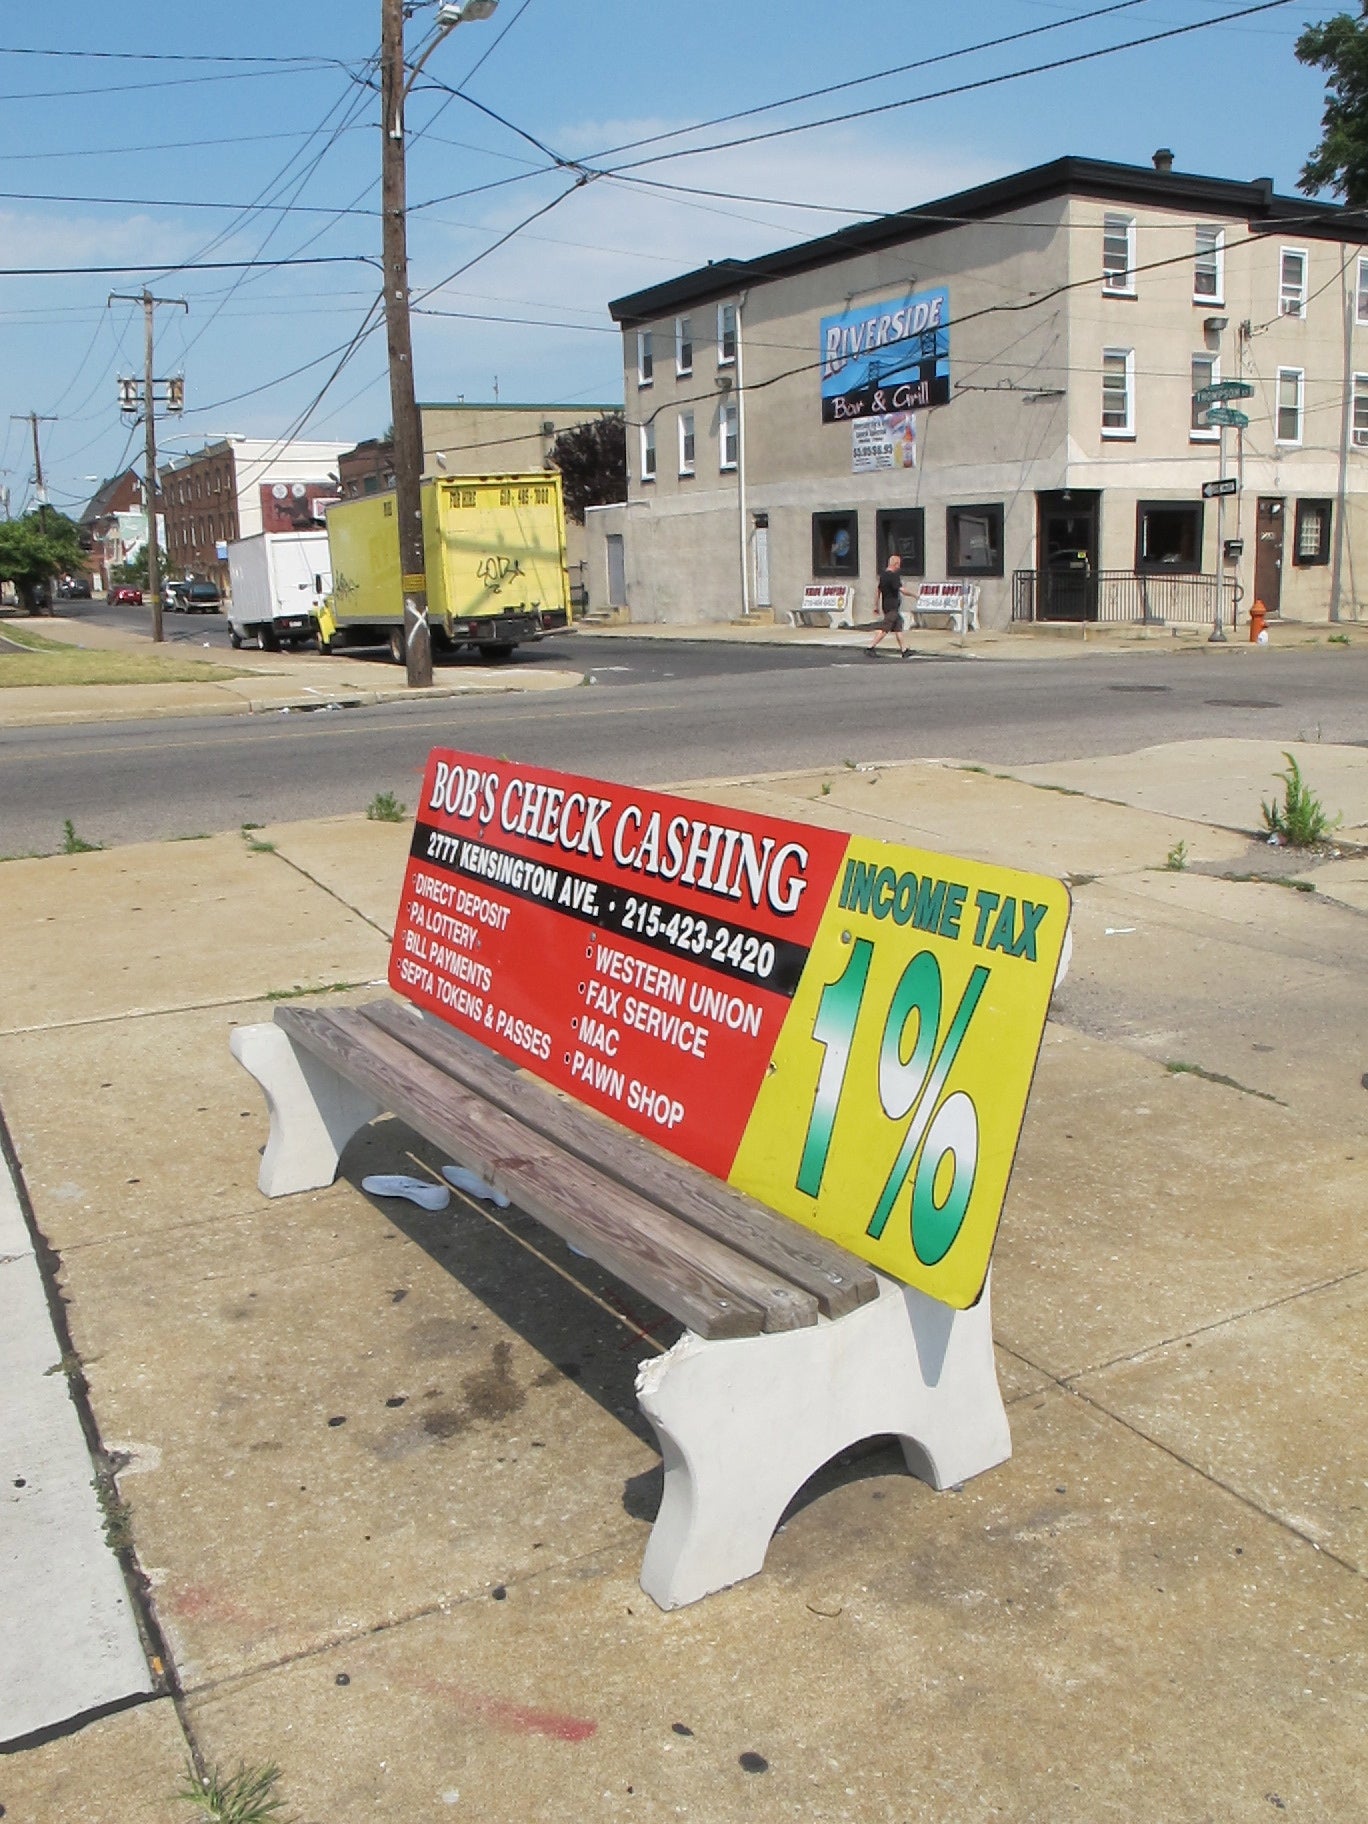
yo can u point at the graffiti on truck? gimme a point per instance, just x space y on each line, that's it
496 570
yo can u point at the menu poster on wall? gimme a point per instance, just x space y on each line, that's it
883 443
888 357
843 1027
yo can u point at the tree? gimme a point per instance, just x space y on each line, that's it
1340 161
592 459
34 550
134 572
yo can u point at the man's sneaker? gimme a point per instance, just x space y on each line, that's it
870 653
906 653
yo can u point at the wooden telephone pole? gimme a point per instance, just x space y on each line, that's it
149 304
408 428
34 419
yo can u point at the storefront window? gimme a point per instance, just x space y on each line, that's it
973 540
835 544
1168 535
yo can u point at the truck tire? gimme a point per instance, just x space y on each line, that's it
396 646
234 638
266 640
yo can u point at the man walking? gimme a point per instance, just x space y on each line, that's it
890 606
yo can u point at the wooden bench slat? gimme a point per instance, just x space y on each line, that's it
837 1279
711 1288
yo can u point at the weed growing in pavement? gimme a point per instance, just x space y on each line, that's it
386 808
826 788
253 846
1177 1068
1275 880
72 844
116 1513
297 994
1301 820
1176 859
1339 639
245 1797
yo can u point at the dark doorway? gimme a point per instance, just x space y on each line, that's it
1268 554
1066 543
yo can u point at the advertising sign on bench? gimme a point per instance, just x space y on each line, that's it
842 1027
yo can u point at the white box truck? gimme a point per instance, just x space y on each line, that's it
279 582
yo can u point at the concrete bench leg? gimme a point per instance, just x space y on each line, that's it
742 1424
314 1112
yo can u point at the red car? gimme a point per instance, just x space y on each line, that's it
131 597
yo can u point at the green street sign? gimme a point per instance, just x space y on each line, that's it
1222 389
1226 414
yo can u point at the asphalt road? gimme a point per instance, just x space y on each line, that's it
661 712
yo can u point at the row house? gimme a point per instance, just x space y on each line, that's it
1011 386
237 487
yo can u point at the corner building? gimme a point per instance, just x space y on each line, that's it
1000 386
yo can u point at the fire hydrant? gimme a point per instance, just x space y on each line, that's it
1258 615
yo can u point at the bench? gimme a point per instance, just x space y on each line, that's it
793 1348
824 605
954 604
514 942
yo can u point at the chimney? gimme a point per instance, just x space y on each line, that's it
1163 161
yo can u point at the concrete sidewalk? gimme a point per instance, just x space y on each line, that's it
384 1472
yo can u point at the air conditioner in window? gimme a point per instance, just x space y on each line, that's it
1361 440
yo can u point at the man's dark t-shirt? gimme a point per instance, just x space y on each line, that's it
890 591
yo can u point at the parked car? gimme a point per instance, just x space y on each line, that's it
199 598
74 589
124 595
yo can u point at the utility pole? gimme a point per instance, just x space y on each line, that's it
408 429
127 396
35 419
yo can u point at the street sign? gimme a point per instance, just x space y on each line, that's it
1222 389
1212 490
1226 414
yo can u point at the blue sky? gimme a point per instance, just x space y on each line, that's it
121 160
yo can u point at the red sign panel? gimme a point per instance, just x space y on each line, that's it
638 950
295 506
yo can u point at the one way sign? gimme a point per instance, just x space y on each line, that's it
1228 484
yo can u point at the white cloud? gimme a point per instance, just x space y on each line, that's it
611 238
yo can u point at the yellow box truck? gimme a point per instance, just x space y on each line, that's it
495 552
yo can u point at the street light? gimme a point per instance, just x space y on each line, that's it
408 430
456 11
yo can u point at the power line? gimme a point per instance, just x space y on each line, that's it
171 82
964 88
310 59
321 259
855 82
155 202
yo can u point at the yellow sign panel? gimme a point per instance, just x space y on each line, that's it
890 1114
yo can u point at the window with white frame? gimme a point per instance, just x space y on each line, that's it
1118 254
645 358
728 435
648 451
1206 371
726 333
1208 266
1292 282
1118 392
686 443
1361 411
683 346
1311 544
1289 409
